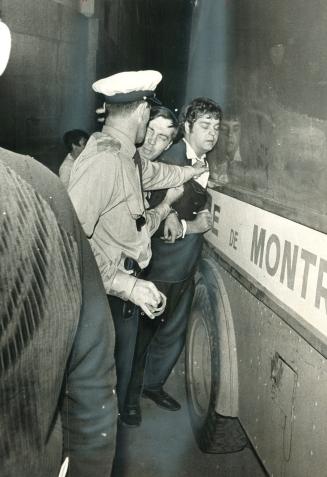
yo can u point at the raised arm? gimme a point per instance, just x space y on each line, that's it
157 175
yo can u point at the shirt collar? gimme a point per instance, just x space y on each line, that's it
190 153
127 146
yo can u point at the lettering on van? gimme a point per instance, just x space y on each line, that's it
281 258
233 237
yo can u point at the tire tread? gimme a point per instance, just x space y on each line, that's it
214 433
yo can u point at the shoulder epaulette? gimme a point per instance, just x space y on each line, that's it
106 143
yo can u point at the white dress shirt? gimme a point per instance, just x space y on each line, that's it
190 154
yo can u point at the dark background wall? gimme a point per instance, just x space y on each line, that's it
44 90
57 53
149 34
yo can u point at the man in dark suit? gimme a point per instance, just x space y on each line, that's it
173 263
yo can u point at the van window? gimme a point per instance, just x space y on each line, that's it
272 143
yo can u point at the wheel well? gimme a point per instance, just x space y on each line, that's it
227 400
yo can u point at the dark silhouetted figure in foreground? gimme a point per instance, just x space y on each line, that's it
57 375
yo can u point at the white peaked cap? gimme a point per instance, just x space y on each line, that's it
5 46
128 86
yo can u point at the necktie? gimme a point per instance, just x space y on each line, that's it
137 159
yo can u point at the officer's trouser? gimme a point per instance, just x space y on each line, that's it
160 341
126 331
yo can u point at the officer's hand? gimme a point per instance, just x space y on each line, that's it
194 171
172 229
146 295
173 194
202 223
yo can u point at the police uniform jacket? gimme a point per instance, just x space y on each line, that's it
106 192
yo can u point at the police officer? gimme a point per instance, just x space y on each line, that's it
106 189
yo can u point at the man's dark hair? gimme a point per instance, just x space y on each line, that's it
73 137
197 108
162 112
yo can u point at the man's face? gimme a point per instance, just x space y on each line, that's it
157 139
230 135
203 135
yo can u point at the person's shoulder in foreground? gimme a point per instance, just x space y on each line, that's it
56 353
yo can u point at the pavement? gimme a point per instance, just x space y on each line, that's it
164 446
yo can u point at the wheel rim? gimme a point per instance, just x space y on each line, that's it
200 366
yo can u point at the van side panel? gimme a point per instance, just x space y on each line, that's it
282 386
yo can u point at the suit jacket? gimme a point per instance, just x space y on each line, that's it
175 262
194 196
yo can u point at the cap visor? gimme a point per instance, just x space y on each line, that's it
154 101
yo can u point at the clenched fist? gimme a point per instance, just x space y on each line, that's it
146 295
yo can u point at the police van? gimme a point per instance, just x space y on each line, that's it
256 354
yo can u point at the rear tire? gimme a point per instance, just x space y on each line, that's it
214 433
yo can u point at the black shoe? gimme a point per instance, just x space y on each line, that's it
131 416
162 399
